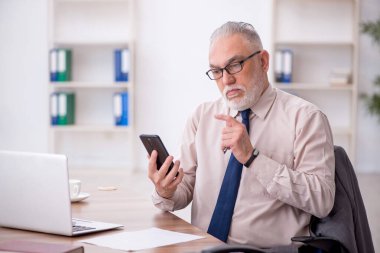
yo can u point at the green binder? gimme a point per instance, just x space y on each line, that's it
66 108
64 65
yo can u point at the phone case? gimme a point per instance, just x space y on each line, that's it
153 142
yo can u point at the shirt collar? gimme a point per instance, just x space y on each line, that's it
262 107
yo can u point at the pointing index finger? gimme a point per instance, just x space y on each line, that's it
227 118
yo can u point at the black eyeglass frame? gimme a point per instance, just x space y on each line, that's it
241 63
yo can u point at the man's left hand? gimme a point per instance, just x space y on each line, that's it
235 137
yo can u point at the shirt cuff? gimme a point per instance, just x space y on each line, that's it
162 203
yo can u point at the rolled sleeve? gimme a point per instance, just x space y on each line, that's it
265 169
162 203
309 183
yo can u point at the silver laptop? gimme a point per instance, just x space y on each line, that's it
34 195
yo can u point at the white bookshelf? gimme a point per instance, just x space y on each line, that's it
93 29
313 86
323 36
90 128
91 85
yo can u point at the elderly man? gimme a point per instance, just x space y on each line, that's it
256 163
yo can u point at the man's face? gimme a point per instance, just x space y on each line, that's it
243 89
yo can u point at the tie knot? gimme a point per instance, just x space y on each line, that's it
245 114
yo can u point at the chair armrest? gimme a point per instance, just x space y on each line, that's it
231 248
327 244
249 249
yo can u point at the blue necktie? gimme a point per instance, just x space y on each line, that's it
221 218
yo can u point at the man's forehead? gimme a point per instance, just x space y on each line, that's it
227 49
229 41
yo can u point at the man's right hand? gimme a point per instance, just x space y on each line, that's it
165 185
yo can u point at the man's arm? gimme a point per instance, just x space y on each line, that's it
165 183
183 193
309 185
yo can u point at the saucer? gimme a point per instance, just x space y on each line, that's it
81 196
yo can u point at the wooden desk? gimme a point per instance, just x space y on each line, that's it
129 205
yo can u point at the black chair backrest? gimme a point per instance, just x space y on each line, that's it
347 221
344 230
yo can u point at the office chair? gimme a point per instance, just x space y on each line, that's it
344 230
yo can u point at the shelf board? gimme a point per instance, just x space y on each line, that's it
354 1
314 43
88 1
90 128
305 86
90 42
341 130
90 85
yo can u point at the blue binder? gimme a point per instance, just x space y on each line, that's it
121 57
288 66
54 109
53 54
121 108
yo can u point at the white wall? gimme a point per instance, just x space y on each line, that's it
172 57
23 75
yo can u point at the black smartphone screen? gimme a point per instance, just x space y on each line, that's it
153 142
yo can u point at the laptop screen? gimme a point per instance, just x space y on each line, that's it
34 192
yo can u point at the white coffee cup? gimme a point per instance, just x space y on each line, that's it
75 185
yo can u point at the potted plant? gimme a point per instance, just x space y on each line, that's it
372 28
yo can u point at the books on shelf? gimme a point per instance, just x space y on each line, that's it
39 247
62 108
54 109
62 103
283 65
60 64
120 108
340 77
122 64
53 64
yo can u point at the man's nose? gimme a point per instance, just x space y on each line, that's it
228 79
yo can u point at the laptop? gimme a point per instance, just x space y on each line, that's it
35 195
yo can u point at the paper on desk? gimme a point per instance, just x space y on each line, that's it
142 239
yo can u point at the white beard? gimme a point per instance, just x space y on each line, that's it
251 96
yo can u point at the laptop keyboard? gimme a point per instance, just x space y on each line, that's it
81 228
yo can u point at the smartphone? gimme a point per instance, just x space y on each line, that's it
153 142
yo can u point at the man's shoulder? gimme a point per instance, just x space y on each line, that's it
206 111
216 106
292 102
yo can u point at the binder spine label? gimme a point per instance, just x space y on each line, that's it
117 103
122 64
53 65
278 66
125 61
288 58
61 60
62 109
54 109
121 109
64 65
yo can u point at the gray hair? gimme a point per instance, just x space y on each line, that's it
245 29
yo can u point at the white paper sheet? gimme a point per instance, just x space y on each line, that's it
142 239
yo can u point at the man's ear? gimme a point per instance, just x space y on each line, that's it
265 60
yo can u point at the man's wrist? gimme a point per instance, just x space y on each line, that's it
165 194
253 156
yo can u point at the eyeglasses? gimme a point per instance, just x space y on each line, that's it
232 68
